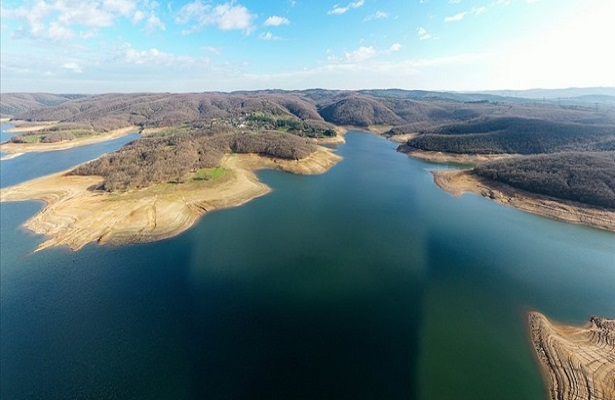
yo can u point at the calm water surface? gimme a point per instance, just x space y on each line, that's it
367 282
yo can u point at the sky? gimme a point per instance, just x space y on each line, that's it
102 46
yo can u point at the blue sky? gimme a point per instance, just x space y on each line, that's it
68 46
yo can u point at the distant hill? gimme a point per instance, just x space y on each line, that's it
403 110
12 104
554 93
563 139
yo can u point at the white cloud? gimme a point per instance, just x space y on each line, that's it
377 15
126 54
274 20
461 15
227 16
153 23
456 17
342 10
394 47
361 54
72 67
59 32
268 36
123 7
61 19
423 34
138 16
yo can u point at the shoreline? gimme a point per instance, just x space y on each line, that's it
22 126
9 147
458 182
577 362
75 215
443 157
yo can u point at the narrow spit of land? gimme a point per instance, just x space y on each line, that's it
578 362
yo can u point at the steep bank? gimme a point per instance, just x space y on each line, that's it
578 362
75 214
459 182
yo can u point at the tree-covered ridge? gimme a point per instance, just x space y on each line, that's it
311 111
584 177
516 135
152 160
12 104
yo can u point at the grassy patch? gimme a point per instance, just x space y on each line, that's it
209 174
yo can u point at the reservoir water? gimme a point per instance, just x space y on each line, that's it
367 282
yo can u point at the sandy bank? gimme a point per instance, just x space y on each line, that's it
9 147
459 182
403 138
578 362
75 214
27 126
11 155
442 157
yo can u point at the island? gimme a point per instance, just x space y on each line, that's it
198 152
577 362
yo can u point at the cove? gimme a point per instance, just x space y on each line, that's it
367 282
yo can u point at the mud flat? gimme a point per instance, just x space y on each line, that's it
459 182
577 362
75 213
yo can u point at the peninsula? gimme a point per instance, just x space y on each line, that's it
577 362
197 152
94 204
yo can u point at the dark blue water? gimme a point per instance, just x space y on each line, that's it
367 282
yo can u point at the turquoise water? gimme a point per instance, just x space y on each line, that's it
367 282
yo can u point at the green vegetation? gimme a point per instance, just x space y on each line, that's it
209 174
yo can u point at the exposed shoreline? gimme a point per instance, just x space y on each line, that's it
577 362
21 148
75 214
442 157
461 181
26 126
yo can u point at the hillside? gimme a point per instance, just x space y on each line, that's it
582 177
517 136
12 104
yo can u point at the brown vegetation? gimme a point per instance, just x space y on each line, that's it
152 160
459 182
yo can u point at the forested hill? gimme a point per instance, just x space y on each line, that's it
582 177
401 111
12 104
573 144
